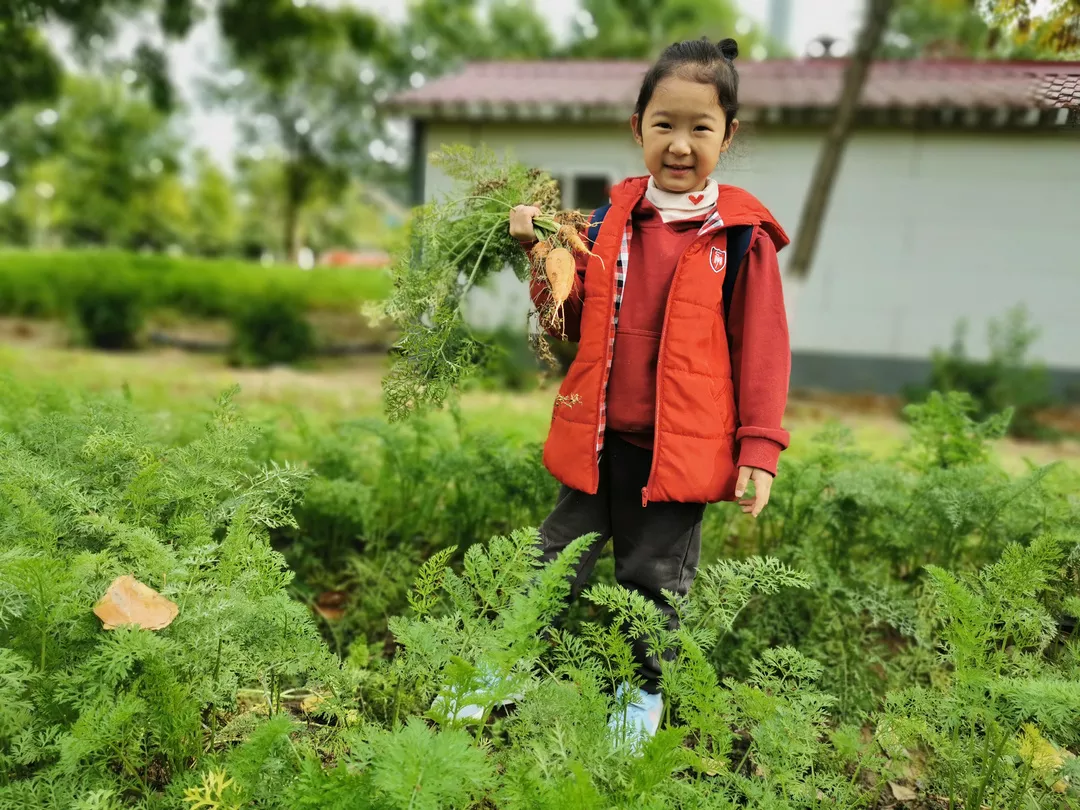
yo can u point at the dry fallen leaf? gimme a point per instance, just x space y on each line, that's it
903 794
331 604
129 602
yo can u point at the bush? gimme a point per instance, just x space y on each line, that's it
1007 380
271 330
508 362
109 314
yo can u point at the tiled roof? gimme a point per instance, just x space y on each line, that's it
795 84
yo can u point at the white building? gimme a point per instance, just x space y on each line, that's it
958 198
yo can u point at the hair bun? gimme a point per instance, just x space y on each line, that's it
728 47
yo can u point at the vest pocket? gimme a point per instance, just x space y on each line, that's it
723 393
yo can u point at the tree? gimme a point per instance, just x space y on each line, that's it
28 70
159 214
259 181
303 94
640 29
979 29
215 219
1055 33
816 204
947 28
90 23
439 35
99 165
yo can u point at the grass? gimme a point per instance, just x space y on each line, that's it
181 388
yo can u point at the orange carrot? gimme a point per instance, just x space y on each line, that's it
559 266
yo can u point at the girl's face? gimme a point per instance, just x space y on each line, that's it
682 134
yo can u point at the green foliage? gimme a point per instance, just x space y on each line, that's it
994 729
1006 381
865 530
271 330
454 244
387 497
909 620
1016 30
508 363
112 164
214 211
48 284
88 495
637 29
109 313
32 71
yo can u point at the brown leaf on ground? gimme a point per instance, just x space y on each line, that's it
129 602
331 604
902 793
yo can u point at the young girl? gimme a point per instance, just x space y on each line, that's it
676 395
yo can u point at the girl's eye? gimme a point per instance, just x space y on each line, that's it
662 125
704 129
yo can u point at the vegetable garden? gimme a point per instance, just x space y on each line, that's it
263 614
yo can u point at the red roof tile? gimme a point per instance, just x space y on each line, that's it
804 83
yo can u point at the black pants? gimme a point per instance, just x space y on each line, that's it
656 547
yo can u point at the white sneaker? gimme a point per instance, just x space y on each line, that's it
639 721
470 705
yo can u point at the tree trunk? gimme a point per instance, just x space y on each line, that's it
296 191
816 203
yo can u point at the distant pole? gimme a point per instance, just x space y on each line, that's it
780 22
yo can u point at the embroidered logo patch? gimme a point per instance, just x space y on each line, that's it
696 199
717 259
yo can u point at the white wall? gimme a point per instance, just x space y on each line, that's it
923 229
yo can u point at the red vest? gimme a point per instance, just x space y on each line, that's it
694 442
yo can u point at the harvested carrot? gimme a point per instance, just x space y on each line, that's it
559 266
569 235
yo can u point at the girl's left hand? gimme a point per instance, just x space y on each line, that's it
762 486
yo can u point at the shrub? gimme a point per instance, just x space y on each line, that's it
1008 380
271 330
509 363
36 284
109 313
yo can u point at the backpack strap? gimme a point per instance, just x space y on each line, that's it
595 223
738 242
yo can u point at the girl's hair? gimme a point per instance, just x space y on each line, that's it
697 60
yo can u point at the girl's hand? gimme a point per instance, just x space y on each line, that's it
521 222
762 486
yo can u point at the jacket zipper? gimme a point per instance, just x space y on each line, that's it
660 377
609 351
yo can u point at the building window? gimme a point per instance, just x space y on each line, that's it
590 191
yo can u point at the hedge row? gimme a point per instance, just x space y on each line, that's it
50 285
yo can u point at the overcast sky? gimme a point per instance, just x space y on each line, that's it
809 19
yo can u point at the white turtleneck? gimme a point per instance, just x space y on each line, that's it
675 206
